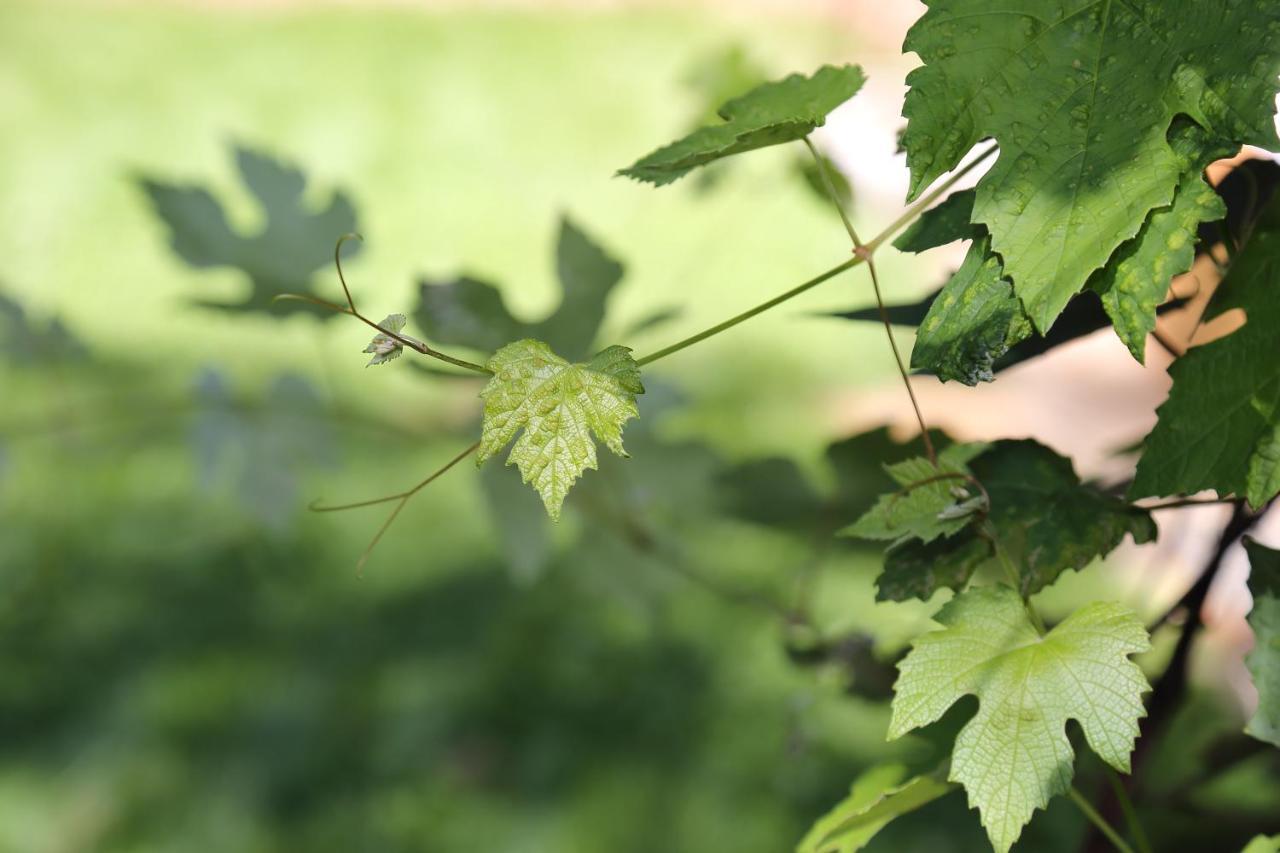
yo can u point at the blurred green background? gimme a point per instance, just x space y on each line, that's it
188 658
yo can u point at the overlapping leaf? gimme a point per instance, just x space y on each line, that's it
1085 159
1264 660
878 796
933 501
1014 755
1220 427
771 114
1044 518
559 406
1137 277
282 257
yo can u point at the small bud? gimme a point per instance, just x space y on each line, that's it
383 346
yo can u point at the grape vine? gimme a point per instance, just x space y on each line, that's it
1102 116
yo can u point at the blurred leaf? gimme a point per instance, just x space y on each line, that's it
770 114
1264 660
927 506
1263 844
587 276
520 520
878 796
1028 686
559 406
652 320
942 224
1220 427
384 347
809 172
471 313
262 449
23 342
775 492
293 244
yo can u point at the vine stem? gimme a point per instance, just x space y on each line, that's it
860 250
402 498
909 215
404 340
1097 820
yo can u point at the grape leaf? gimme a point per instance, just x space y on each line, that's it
282 257
469 312
1264 660
925 508
972 322
877 797
384 347
559 406
1085 158
1220 427
770 114
1137 277
1045 520
940 225
1013 756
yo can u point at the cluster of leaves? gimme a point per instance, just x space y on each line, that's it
1105 116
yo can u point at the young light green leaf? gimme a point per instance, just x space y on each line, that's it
1013 756
559 406
770 114
1263 844
972 322
383 346
878 796
1086 158
1220 427
929 503
1264 660
1137 277
1045 519
938 226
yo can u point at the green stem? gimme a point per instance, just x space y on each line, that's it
1098 820
863 253
831 191
911 213
860 251
748 314
1136 832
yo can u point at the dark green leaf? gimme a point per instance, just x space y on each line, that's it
940 225
1045 520
1264 660
1080 95
770 114
1220 427
972 322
